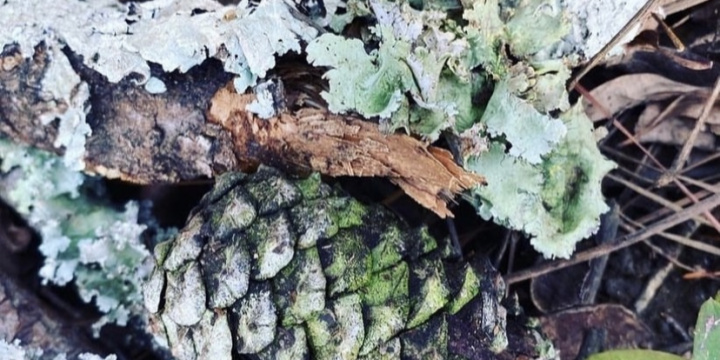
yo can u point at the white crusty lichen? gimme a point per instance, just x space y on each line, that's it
63 87
118 40
595 22
83 239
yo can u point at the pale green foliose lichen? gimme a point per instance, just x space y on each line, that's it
531 133
425 74
558 202
410 60
83 240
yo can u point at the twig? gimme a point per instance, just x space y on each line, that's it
628 240
618 125
679 46
654 283
653 197
690 143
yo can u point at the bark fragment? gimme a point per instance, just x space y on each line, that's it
316 140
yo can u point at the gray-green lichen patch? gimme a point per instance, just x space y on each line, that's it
185 295
83 240
187 245
119 39
64 87
231 213
595 22
255 319
300 288
290 344
273 245
271 192
16 350
225 266
338 331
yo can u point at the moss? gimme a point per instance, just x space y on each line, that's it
470 288
273 245
428 290
299 289
390 250
312 187
348 213
386 305
427 341
346 262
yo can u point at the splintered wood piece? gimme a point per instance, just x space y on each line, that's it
336 145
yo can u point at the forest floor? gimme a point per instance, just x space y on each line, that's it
645 295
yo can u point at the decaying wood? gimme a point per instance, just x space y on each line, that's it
334 145
136 136
149 138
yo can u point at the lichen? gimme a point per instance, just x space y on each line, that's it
83 239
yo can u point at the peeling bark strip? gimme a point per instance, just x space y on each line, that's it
342 146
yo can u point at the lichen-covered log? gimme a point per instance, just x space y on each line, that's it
270 267
133 134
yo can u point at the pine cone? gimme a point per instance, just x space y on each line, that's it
275 268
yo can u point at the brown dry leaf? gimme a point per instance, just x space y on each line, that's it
627 91
691 108
342 146
672 129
